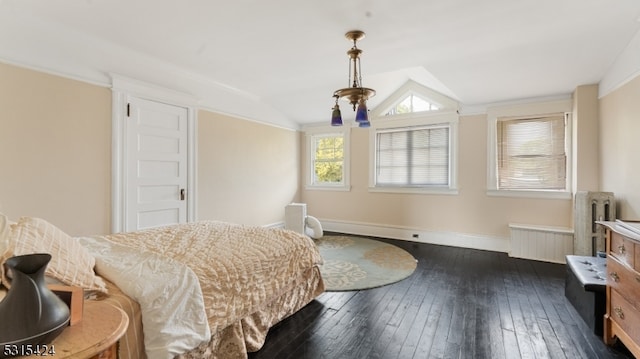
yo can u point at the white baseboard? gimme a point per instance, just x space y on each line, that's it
274 225
474 241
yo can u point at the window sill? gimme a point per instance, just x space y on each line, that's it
416 190
530 194
328 188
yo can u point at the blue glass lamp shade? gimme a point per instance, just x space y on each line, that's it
336 117
361 112
364 124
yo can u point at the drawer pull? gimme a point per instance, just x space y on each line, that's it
621 249
616 278
619 312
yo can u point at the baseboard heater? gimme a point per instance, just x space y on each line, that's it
542 243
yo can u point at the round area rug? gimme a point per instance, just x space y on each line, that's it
354 263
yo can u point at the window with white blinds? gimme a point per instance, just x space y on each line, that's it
531 153
413 157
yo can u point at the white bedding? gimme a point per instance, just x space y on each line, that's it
168 291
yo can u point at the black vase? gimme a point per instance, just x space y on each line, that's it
30 313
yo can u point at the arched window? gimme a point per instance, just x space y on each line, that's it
412 103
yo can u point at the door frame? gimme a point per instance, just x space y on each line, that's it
123 89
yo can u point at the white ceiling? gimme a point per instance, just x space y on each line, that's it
279 61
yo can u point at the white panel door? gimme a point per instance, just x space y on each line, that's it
156 160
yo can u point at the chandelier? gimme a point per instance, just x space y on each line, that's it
355 94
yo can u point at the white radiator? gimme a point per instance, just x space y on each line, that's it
542 243
589 208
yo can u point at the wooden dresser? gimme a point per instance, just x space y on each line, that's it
622 318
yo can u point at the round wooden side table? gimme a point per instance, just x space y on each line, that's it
95 336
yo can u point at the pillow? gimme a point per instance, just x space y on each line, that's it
70 263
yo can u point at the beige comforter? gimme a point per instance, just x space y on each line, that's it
242 270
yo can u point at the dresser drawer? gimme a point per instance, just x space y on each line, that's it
623 249
624 280
627 317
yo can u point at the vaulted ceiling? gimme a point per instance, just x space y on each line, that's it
279 61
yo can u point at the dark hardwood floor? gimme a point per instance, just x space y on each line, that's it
459 303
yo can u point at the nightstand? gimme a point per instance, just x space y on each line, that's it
95 336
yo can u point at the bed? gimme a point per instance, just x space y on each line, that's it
206 289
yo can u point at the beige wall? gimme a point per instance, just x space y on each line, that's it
469 212
55 143
247 172
585 141
620 148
